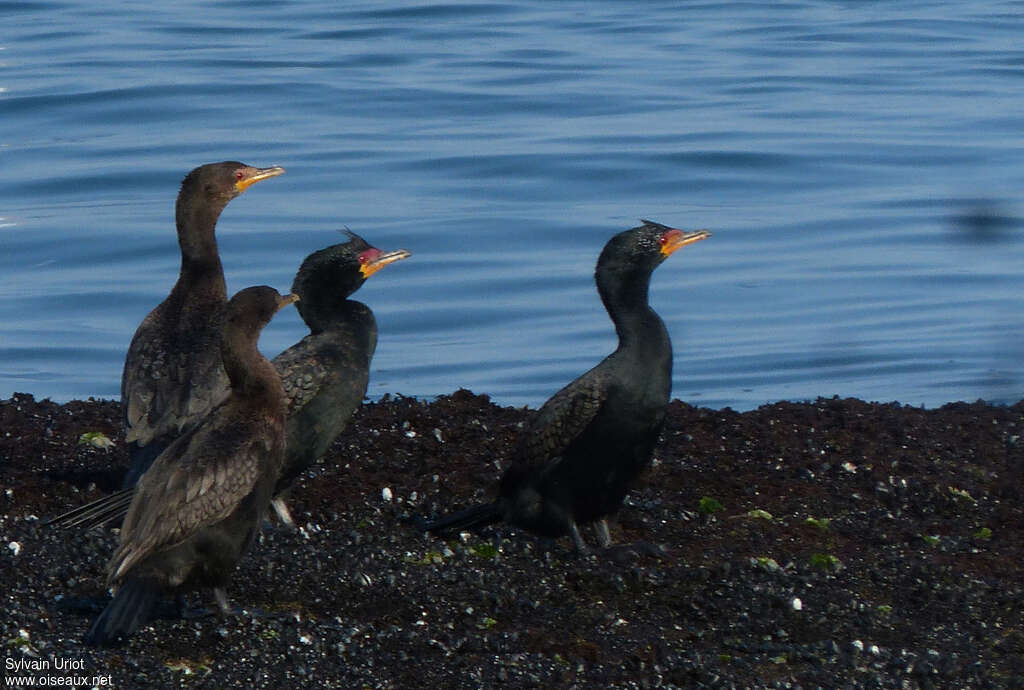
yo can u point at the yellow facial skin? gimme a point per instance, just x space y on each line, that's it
250 176
373 260
674 240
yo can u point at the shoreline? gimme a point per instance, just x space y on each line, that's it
875 543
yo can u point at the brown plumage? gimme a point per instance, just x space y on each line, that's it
195 511
325 374
172 372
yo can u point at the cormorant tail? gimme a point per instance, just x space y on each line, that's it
470 518
129 610
107 510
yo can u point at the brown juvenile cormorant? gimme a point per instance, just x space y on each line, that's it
195 511
579 456
172 373
326 373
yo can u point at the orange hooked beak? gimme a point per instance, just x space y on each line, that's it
251 176
372 260
674 239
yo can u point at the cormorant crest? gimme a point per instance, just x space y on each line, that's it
654 223
352 236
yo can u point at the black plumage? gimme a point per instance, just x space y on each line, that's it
172 374
325 374
194 513
582 452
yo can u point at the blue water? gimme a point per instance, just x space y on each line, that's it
861 166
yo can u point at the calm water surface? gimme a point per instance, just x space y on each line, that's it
860 165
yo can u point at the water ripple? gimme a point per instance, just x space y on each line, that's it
860 172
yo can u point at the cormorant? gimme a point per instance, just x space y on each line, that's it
326 373
172 373
578 457
195 511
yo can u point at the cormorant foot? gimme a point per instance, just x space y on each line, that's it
283 514
224 609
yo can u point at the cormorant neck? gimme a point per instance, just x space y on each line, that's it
625 298
201 269
197 223
326 311
251 376
644 343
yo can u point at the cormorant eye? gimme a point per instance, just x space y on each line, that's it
662 239
239 174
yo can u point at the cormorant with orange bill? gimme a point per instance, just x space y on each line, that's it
325 374
172 374
580 455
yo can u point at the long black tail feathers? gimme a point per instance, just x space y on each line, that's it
470 518
110 510
127 612
107 511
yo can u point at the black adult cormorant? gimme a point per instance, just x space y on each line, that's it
326 373
172 373
579 456
195 511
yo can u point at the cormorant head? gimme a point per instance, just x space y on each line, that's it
628 259
215 184
252 308
642 249
329 276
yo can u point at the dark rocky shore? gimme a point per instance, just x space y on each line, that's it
834 543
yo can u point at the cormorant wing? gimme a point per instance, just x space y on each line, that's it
302 372
322 359
562 419
199 480
163 392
